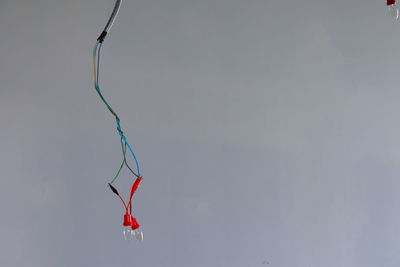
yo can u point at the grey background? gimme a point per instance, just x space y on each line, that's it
268 133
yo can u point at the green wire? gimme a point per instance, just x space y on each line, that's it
122 165
116 176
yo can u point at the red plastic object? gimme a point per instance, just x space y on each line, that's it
135 224
391 2
135 186
128 220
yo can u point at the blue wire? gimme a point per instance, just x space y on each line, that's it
130 148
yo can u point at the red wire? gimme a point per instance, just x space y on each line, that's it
135 186
123 202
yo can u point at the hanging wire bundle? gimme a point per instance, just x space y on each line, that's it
132 227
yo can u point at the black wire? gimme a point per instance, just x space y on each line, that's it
126 163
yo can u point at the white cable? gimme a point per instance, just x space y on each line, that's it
111 20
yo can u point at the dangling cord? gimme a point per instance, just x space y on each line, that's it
123 145
124 162
96 63
123 140
96 51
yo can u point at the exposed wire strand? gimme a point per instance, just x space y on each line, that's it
124 160
96 65
123 139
